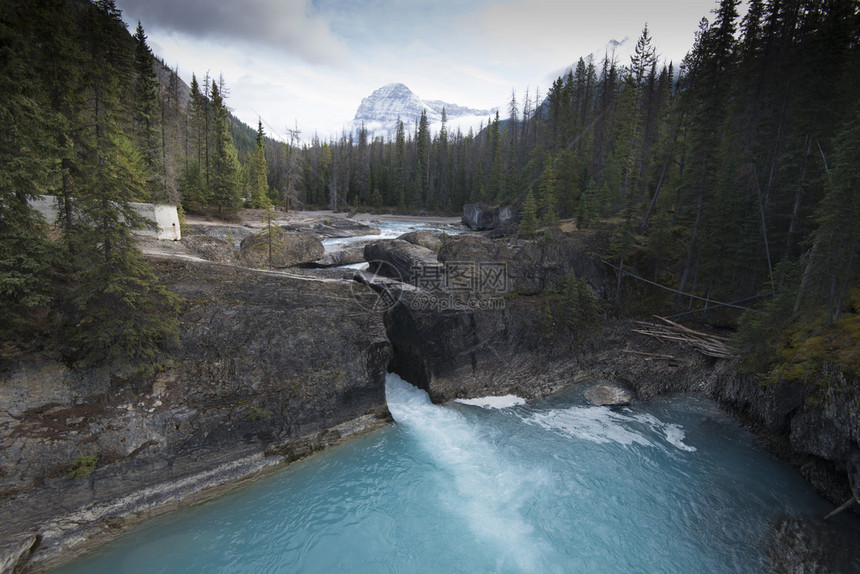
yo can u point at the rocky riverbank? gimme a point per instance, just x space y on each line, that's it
274 365
270 368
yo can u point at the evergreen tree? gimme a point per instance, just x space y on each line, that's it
400 167
259 172
120 309
225 183
146 112
548 193
28 157
832 267
528 216
422 162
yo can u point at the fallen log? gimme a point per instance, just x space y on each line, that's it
706 343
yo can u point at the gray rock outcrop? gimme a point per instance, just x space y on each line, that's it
233 234
532 267
398 259
281 250
432 240
480 216
269 369
333 228
349 255
211 248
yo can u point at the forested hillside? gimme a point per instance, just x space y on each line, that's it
731 177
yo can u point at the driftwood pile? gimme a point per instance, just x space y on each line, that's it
706 343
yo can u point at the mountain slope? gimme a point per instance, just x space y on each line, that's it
381 110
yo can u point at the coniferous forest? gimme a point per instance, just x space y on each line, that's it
732 177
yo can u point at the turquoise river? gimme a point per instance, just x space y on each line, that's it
495 485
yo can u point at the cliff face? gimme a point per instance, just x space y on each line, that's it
513 348
272 367
269 369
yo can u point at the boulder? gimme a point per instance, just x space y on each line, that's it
346 256
480 216
211 248
425 238
604 394
399 259
468 247
284 250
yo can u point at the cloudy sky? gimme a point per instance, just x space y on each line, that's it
310 62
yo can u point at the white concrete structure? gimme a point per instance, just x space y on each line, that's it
164 216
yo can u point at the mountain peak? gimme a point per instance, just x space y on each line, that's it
382 109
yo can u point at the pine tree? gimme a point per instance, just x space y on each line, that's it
422 162
399 168
548 193
259 171
225 189
528 216
28 160
832 267
146 112
120 311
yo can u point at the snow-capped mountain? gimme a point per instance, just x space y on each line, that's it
381 110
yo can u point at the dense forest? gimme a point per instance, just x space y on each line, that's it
731 177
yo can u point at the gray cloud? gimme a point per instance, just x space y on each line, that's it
293 26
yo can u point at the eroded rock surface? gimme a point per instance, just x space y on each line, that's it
430 239
270 368
401 259
349 255
278 249
211 248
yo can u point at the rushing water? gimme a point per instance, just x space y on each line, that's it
388 229
495 486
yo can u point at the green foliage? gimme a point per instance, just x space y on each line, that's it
760 331
255 413
528 216
27 274
259 172
272 234
122 312
547 194
225 167
571 309
146 105
192 187
82 467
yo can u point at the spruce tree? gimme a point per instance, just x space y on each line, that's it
259 171
548 193
225 165
28 159
422 162
146 113
120 311
528 216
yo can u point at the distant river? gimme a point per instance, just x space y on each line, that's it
557 485
388 229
